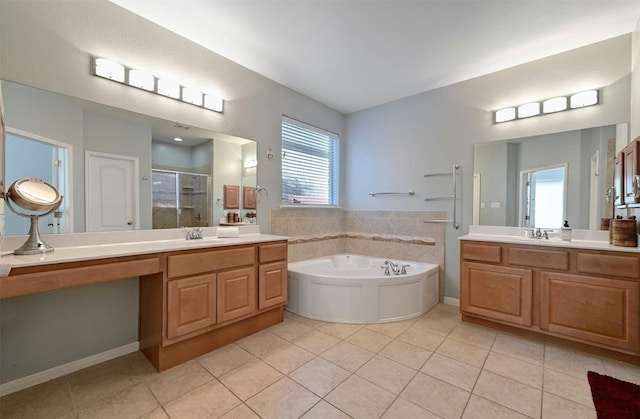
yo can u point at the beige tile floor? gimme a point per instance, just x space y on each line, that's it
430 367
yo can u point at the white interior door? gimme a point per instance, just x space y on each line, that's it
112 202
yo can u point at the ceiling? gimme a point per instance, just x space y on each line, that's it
354 54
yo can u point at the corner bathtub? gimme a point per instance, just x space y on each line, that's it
353 289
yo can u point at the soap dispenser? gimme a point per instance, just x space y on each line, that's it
566 231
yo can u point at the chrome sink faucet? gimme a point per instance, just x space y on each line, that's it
194 233
538 233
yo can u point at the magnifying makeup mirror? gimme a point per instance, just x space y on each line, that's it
38 196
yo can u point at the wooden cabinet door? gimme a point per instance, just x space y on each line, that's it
599 310
231 196
631 169
272 284
618 179
236 293
497 292
191 305
249 197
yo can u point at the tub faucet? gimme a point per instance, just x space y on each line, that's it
396 268
392 266
194 233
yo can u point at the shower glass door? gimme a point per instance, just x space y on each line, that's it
193 200
180 199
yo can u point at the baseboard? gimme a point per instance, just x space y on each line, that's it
452 301
60 370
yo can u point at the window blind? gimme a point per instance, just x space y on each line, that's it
310 162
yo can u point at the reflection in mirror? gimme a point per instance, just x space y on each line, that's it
549 185
249 197
500 187
81 126
180 199
231 197
42 158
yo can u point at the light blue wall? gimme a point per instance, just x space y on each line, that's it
43 330
165 154
492 165
30 159
202 154
387 147
396 143
44 114
56 33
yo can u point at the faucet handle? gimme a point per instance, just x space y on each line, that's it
194 233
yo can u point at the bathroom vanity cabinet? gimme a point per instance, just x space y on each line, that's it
583 295
214 287
210 297
192 299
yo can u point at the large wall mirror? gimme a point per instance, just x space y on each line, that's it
543 180
119 170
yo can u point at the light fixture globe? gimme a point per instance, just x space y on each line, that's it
38 196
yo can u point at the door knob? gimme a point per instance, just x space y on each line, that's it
129 223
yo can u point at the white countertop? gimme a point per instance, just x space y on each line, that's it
581 239
86 246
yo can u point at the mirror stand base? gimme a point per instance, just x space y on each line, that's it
34 244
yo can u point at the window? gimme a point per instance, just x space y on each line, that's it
310 161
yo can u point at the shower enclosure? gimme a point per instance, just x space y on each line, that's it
180 199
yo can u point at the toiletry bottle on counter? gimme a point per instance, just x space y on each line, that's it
565 232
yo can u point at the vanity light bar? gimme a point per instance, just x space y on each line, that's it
553 105
529 109
140 79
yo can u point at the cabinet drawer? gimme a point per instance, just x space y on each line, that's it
271 252
208 261
481 252
546 259
623 266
